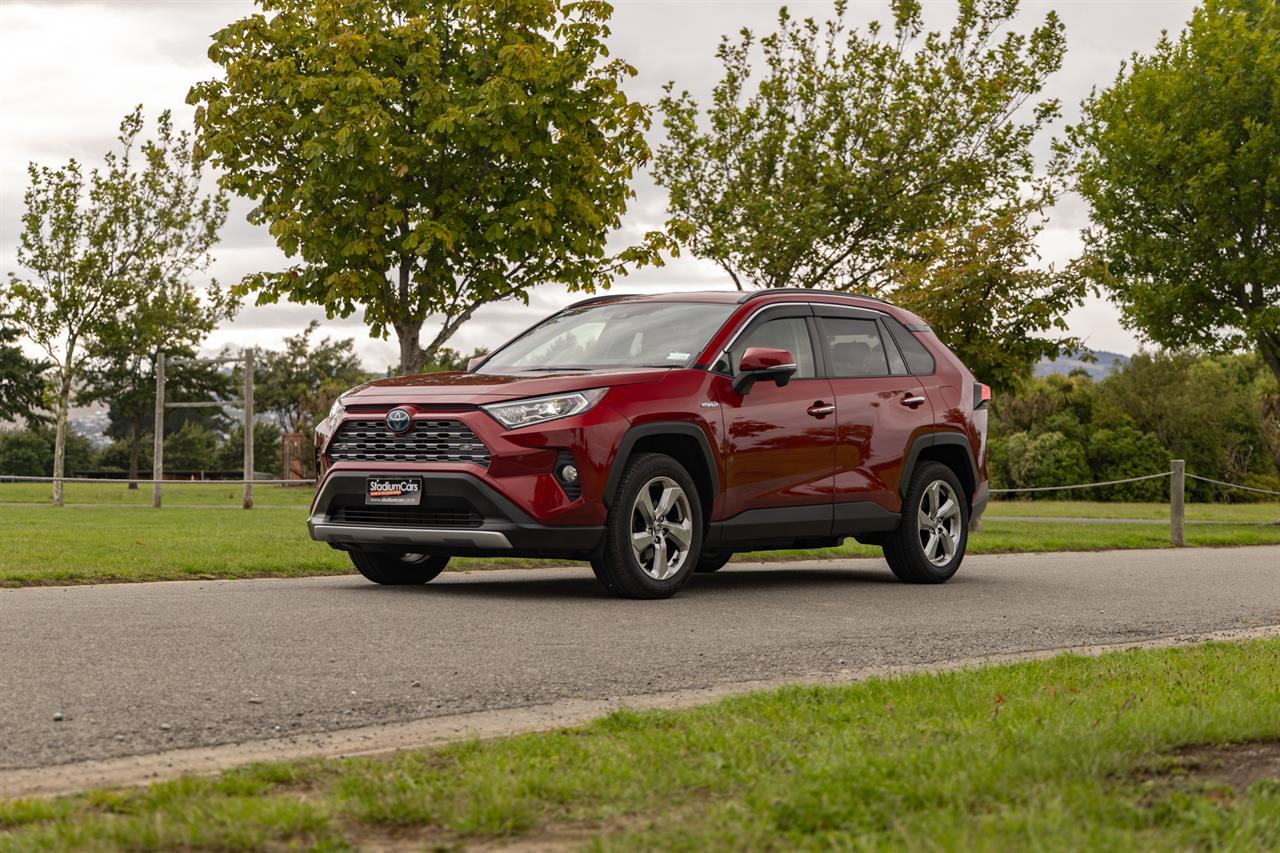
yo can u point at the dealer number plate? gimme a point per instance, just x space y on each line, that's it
404 491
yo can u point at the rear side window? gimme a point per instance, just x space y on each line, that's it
919 359
853 347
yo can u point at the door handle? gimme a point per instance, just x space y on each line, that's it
913 401
821 409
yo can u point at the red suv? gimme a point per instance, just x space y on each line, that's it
656 436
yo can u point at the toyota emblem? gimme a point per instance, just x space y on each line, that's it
399 420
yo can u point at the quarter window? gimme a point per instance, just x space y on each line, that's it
916 354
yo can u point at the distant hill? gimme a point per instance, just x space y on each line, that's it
1106 363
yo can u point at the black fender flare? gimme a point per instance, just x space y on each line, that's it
646 430
935 439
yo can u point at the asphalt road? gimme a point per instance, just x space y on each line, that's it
139 668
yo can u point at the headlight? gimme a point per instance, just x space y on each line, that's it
336 411
536 410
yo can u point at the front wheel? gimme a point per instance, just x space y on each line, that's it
931 538
391 569
654 532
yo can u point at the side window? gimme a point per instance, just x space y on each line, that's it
853 347
897 366
788 333
917 355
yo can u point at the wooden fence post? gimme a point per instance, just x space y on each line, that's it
248 428
1177 498
157 453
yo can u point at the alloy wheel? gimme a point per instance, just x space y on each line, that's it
661 528
939 522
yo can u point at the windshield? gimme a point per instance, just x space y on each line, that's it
618 334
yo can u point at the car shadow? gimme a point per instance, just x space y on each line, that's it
534 584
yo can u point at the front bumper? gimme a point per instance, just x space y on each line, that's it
460 515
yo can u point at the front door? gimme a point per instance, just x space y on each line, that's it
780 441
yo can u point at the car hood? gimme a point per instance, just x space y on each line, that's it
476 388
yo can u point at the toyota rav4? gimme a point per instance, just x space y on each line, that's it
657 436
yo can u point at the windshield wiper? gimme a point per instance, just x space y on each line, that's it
553 369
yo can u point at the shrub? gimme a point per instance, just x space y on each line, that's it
1123 452
1048 459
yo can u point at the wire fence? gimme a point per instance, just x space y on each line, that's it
6 478
1159 476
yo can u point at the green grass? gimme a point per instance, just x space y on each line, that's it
76 545
174 494
1247 513
1071 753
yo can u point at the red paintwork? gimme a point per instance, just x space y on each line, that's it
769 450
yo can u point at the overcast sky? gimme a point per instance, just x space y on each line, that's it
70 70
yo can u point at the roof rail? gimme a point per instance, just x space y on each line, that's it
756 294
592 300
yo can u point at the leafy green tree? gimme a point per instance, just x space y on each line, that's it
421 158
266 448
119 455
299 383
21 379
23 453
168 314
1178 161
893 163
987 296
96 243
191 449
29 452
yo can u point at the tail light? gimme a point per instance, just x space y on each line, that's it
981 395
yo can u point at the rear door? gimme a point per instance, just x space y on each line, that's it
879 406
780 441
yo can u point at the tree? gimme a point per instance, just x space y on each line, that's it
266 448
167 313
421 158
852 144
986 296
21 378
299 383
192 448
1179 161
94 243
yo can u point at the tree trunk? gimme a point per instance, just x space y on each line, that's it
60 440
411 356
135 447
1269 347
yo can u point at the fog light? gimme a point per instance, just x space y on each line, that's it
569 474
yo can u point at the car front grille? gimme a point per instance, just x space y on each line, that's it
430 440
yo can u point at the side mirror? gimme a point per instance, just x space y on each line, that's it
474 362
759 363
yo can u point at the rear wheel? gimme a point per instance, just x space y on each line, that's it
931 538
391 569
713 561
654 532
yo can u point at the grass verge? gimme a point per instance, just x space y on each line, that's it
1066 753
77 545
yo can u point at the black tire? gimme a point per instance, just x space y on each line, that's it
619 569
905 548
712 561
390 569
